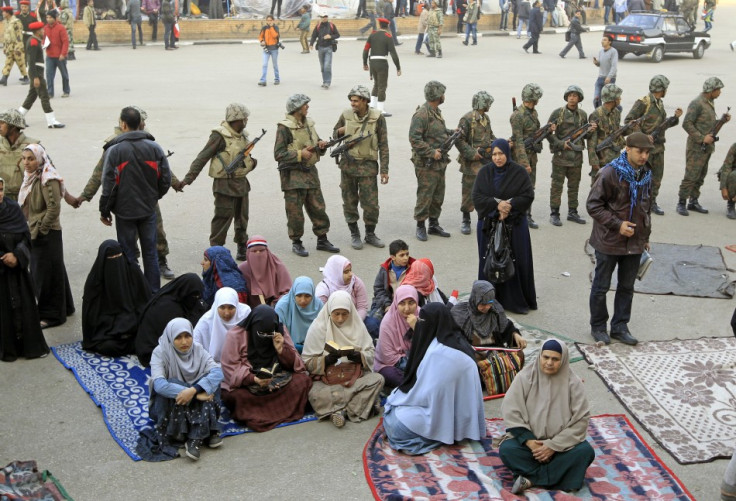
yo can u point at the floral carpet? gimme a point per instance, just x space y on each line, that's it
681 391
625 469
119 386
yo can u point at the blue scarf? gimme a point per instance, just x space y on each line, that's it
627 173
223 269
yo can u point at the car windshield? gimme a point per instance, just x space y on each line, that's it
645 22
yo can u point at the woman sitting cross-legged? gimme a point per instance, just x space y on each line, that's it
266 276
339 323
226 313
219 269
266 383
397 330
185 383
440 399
546 415
298 309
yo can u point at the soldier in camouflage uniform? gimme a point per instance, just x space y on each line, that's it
12 144
698 123
230 191
566 163
727 176
608 118
477 134
651 108
689 10
435 21
524 123
359 166
94 182
297 150
13 46
427 132
66 18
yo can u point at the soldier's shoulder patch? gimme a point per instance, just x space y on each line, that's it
387 34
34 42
33 14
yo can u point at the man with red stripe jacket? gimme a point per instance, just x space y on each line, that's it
135 176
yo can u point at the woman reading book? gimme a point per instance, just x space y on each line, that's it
266 382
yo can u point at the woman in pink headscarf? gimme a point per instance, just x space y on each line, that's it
397 330
267 277
338 276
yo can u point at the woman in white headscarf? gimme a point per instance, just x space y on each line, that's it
340 323
184 385
226 313
546 416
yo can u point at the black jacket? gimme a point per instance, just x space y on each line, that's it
319 32
536 24
135 176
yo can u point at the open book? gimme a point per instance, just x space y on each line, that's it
341 351
265 372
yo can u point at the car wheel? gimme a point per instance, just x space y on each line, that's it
657 54
699 51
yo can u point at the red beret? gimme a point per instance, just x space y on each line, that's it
35 26
25 2
7 8
383 20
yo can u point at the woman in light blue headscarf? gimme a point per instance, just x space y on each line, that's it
298 309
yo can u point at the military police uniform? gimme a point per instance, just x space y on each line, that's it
608 120
727 176
379 46
427 132
359 168
13 46
35 60
477 133
230 190
26 18
524 123
10 169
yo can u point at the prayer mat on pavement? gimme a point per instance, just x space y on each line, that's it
681 391
625 468
682 270
119 387
21 480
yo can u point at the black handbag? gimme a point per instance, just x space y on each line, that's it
499 260
568 35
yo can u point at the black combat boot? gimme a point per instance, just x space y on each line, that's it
532 223
355 240
324 245
436 229
24 80
439 54
241 255
572 215
421 231
163 268
372 239
298 249
730 212
4 80
694 205
431 54
465 226
554 216
657 209
681 209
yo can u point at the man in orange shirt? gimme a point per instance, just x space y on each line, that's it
270 44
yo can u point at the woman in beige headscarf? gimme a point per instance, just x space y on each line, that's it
339 321
546 415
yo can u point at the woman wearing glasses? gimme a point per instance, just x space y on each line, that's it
266 383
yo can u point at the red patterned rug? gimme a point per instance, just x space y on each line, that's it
625 469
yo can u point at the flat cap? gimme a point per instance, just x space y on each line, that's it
639 140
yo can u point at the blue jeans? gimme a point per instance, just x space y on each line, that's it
599 83
129 231
525 22
51 64
628 266
471 28
132 32
607 13
274 56
618 17
325 63
169 35
420 40
371 24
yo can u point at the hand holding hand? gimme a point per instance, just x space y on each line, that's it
204 397
185 396
543 453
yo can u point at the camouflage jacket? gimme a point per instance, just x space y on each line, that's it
477 133
608 122
427 132
524 123
566 121
435 19
10 168
13 36
729 165
654 114
304 175
380 140
699 121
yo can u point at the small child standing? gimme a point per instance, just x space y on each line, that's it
303 27
708 18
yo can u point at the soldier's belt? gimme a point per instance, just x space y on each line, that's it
385 58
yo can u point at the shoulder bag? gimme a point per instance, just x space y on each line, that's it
499 260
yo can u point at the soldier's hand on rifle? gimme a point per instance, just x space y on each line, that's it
477 156
321 144
728 117
678 112
307 153
567 146
384 178
708 139
552 127
341 131
593 126
437 154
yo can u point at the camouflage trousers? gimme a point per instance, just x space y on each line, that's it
559 173
363 189
311 200
162 246
18 57
731 184
434 39
466 205
227 209
379 74
656 162
696 167
430 193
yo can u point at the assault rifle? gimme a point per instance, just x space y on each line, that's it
241 155
659 130
301 166
447 145
577 135
344 147
534 141
717 128
609 142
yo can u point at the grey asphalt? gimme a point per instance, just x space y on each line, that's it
47 416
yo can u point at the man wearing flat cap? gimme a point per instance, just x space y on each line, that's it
620 204
13 46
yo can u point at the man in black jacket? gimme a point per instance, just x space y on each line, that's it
575 30
536 24
135 176
325 35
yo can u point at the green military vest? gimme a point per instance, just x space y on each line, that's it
303 136
234 144
10 168
365 150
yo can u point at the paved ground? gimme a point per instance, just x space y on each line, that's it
46 415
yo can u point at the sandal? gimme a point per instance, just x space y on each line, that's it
338 418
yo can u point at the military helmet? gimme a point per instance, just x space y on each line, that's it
482 100
531 92
610 92
236 111
360 91
295 102
712 84
13 117
659 83
434 90
576 89
141 112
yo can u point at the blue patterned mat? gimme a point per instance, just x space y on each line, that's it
119 386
